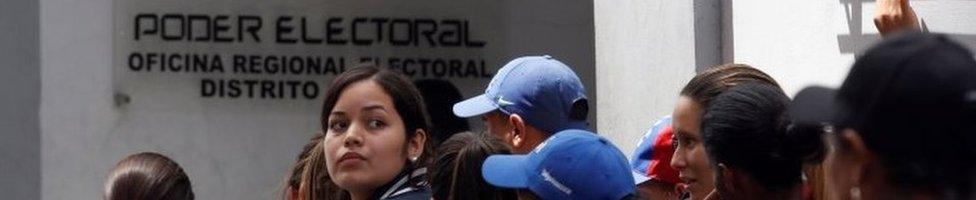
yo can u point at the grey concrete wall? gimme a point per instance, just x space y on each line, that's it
708 33
645 52
76 105
20 149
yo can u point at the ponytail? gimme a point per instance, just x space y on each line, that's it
747 128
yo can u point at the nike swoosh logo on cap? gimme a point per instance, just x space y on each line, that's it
503 102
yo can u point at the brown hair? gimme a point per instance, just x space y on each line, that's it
710 83
314 181
295 179
406 99
456 171
147 176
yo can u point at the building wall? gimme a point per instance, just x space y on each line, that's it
20 136
645 51
802 43
76 106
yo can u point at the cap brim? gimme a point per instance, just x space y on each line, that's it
507 171
639 178
474 106
815 105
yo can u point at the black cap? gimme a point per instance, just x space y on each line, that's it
912 100
912 78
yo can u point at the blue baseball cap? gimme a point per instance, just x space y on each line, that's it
540 89
571 164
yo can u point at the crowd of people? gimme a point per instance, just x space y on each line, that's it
901 126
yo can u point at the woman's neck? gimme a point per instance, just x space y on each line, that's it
360 195
374 193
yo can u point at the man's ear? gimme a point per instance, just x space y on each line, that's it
416 144
518 130
858 156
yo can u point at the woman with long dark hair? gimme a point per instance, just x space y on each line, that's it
376 136
690 158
